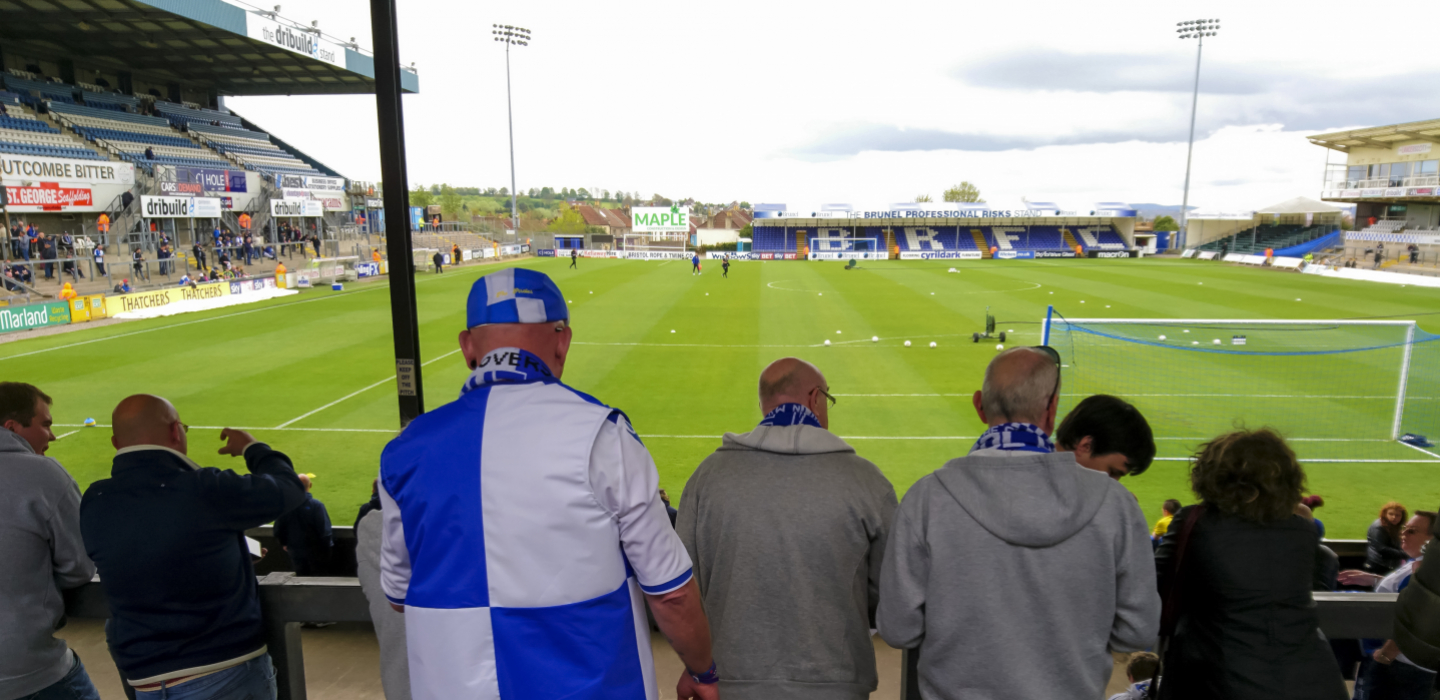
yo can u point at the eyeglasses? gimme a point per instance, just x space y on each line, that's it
183 428
1054 355
827 395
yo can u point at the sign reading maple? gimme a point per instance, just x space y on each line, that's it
672 219
49 196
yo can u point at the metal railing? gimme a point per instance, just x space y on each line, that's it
287 601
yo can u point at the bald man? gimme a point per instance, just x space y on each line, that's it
786 526
1014 570
168 537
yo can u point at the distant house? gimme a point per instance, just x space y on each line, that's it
723 227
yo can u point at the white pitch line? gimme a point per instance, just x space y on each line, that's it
353 394
62 437
372 288
1414 447
1217 396
1334 461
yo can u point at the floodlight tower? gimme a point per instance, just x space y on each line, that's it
1193 29
516 36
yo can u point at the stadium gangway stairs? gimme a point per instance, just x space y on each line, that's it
287 601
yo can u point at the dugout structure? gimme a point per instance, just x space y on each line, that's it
1338 390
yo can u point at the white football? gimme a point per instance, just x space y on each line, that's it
907 343
1217 341
1194 342
837 332
1001 346
874 338
672 330
827 342
1162 337
932 344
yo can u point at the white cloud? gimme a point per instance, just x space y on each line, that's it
856 102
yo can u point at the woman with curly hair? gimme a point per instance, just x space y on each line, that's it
1383 553
1235 571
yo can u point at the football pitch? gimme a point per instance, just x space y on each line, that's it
680 354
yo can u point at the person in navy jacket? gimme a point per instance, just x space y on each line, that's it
168 538
306 535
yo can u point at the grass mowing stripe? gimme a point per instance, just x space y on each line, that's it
353 394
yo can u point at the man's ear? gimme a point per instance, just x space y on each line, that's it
980 407
562 348
465 344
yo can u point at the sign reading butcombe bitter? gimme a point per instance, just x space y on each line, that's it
672 219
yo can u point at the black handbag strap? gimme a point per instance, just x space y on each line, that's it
1170 597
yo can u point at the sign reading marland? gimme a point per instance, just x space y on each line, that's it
672 219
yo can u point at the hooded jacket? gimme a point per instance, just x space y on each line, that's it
1016 574
1417 618
42 552
786 527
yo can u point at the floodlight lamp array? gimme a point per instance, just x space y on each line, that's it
1197 28
508 34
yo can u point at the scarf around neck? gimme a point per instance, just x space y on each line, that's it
507 365
1015 437
791 414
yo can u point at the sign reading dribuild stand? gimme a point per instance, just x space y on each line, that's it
293 39
672 219
296 207
179 207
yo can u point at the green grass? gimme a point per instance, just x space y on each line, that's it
265 365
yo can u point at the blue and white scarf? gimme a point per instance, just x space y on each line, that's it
1015 437
791 414
507 365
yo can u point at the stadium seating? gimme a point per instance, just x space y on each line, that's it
33 92
22 133
1264 236
773 239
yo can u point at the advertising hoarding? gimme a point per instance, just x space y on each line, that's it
294 39
179 207
48 196
18 167
672 219
19 318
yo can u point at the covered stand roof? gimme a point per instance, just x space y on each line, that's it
1300 205
200 44
1380 136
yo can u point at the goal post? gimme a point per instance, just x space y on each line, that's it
1339 390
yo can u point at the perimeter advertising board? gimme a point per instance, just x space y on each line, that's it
295 208
672 219
19 318
941 255
179 207
122 303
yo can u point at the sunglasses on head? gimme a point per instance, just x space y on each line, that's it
1054 356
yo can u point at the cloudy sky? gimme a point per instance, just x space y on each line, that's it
872 103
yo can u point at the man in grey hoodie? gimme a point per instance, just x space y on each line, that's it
1014 570
42 552
786 527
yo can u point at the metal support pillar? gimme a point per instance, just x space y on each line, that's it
389 115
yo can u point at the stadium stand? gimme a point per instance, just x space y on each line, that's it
23 133
32 92
1276 236
129 135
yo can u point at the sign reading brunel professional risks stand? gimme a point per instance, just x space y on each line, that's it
672 219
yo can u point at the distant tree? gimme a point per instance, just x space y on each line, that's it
421 197
748 231
504 192
1165 222
533 192
659 200
450 202
745 206
583 193
923 198
1347 223
569 221
964 192
605 195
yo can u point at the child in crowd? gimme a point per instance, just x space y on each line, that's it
1141 670
1169 509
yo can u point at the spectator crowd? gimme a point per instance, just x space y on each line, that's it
517 544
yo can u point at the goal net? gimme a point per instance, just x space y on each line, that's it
1340 391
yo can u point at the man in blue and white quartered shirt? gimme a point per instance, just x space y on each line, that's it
523 528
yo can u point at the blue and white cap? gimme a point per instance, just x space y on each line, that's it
515 295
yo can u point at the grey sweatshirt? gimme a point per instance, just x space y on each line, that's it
786 527
389 625
1016 574
42 553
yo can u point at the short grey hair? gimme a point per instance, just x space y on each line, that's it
1019 390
